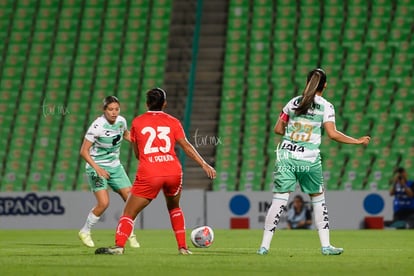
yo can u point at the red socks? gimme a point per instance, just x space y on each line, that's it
178 226
126 225
123 231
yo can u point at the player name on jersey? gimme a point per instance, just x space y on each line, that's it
161 158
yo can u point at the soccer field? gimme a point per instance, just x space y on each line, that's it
59 252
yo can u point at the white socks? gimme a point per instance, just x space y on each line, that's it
279 203
91 220
321 218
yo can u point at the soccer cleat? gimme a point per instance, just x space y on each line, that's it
133 241
86 239
184 251
330 250
262 251
113 250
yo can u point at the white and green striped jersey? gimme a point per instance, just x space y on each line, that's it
106 139
302 137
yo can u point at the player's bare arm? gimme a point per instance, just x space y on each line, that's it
136 150
84 152
127 135
340 137
193 154
280 127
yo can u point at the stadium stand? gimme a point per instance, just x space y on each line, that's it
364 47
60 58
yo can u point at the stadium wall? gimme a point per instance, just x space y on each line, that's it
220 210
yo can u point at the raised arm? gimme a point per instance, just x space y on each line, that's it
340 137
191 152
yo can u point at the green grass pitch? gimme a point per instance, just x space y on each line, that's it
59 252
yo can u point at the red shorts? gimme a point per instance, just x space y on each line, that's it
149 187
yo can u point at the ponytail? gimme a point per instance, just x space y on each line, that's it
315 83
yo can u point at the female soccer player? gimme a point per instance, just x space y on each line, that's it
153 136
298 157
100 149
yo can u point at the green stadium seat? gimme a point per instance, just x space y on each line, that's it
262 22
378 25
136 25
4 25
332 34
155 59
357 171
284 34
234 70
383 168
400 29
352 106
378 106
376 71
226 177
380 175
399 70
37 181
14 175
269 177
105 72
236 56
259 59
71 11
403 106
251 175
260 35
331 174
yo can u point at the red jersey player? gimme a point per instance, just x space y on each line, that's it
153 137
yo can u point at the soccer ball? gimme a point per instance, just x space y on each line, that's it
202 236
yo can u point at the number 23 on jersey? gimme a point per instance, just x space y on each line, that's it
301 132
162 134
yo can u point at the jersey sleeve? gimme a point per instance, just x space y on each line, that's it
92 132
329 113
178 131
286 108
